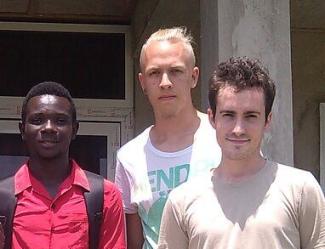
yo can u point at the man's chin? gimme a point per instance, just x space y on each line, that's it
237 155
49 155
169 113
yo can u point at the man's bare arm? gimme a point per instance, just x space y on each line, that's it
134 231
2 237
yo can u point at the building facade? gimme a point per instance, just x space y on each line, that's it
287 36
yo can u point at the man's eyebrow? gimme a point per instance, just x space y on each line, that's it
51 114
226 111
151 68
253 112
233 112
177 65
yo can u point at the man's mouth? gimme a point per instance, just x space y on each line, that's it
48 143
238 141
49 140
167 97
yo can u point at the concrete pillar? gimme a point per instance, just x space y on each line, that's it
209 46
258 29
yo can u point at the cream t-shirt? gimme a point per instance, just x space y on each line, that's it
278 208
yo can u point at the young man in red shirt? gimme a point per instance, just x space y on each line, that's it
51 209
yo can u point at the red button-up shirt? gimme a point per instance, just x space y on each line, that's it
41 221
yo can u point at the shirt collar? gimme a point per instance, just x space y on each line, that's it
79 176
22 179
76 177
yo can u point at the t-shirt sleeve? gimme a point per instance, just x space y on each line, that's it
124 183
312 215
112 233
172 234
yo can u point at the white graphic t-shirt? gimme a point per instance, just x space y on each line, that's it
146 175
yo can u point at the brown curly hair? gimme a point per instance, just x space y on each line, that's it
241 73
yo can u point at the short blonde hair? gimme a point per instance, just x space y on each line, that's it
175 34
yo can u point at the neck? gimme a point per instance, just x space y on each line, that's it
49 170
238 170
175 133
175 123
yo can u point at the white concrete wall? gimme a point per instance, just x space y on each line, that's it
209 44
259 29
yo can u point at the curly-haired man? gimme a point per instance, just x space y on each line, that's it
248 201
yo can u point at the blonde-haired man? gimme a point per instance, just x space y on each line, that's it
163 156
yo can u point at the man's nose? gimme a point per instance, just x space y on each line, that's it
239 127
165 81
49 126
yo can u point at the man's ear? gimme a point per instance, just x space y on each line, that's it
75 128
268 122
141 80
195 76
21 127
211 118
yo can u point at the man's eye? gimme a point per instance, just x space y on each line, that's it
61 121
251 116
36 120
176 70
153 73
